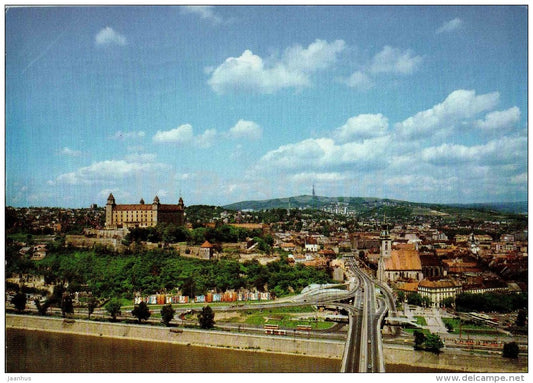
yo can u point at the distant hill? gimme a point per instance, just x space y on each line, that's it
372 205
298 202
502 207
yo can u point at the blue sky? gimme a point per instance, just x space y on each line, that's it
227 103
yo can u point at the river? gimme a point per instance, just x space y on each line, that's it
39 351
31 351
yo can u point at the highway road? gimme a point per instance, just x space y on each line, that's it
364 346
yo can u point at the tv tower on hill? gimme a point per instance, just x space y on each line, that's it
314 195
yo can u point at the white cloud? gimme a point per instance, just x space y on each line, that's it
394 60
120 135
499 120
140 157
206 139
70 152
450 26
318 55
180 135
246 129
359 80
324 153
519 179
459 105
364 156
206 12
250 72
109 171
506 150
184 134
108 36
362 127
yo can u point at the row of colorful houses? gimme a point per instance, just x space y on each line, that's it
161 299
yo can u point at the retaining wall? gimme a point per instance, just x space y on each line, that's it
455 360
280 344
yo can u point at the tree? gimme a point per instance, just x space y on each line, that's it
141 311
510 350
420 338
414 299
19 301
429 342
448 302
401 297
167 314
206 318
67 307
113 308
433 343
91 305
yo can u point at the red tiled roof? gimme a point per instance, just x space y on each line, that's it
403 257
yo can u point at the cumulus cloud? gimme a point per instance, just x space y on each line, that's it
246 129
459 105
499 120
70 152
365 156
251 73
396 61
108 36
206 12
390 60
206 139
140 157
496 152
362 127
184 134
109 171
180 135
359 80
450 26
323 154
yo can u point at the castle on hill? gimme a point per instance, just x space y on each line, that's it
142 215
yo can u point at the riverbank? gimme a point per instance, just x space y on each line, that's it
332 349
395 355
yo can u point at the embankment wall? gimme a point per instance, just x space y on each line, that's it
279 344
450 359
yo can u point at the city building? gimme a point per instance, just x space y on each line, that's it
206 250
403 263
439 289
142 215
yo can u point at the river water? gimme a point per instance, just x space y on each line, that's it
39 351
30 351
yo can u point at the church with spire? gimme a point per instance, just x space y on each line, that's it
385 253
141 214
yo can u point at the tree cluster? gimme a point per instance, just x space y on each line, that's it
169 233
429 342
109 274
487 302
